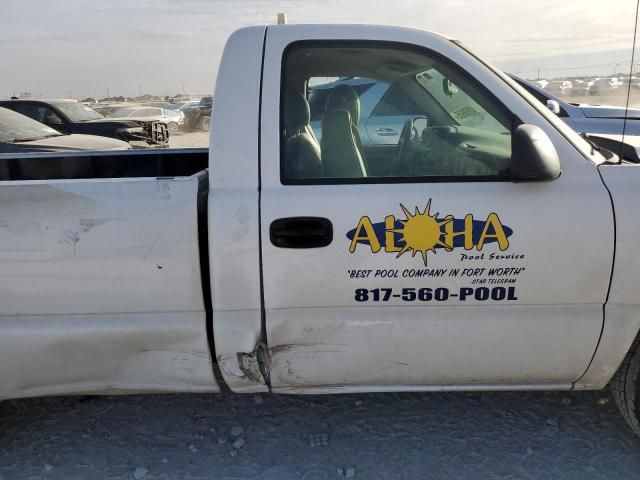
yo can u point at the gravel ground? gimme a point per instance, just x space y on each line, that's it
377 436
189 139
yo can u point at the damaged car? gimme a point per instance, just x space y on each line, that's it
21 134
72 117
198 117
171 118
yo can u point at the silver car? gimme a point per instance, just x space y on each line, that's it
601 86
171 118
559 87
383 109
21 134
587 119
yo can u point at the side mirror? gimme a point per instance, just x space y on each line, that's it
554 106
533 156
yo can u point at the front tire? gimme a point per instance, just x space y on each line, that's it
624 387
173 128
205 123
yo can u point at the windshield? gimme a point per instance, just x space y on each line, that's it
18 128
123 112
459 104
77 112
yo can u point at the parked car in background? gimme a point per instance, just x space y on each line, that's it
541 83
70 116
106 109
601 86
198 117
181 106
171 118
21 134
559 87
583 118
634 82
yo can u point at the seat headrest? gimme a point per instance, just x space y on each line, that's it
296 111
344 97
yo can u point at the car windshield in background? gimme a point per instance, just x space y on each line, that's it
123 112
15 127
77 112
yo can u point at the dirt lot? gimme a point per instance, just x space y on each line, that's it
190 139
379 436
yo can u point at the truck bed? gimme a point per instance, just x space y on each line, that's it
149 162
113 292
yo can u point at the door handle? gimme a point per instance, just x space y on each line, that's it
301 232
386 132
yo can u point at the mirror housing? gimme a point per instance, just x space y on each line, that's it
554 106
533 156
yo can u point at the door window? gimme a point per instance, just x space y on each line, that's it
450 127
39 113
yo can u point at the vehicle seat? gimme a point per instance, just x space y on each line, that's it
302 151
342 153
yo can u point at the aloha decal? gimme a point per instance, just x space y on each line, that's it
422 232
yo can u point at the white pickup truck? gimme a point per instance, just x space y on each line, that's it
490 248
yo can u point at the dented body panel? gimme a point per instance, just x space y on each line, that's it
100 287
234 197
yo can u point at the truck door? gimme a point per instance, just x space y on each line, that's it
442 272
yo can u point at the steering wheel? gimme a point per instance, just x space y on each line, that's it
407 135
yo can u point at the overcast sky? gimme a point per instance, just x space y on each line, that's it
85 47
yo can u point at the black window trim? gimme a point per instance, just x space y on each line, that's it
515 120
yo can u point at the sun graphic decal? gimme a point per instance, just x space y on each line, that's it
421 232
